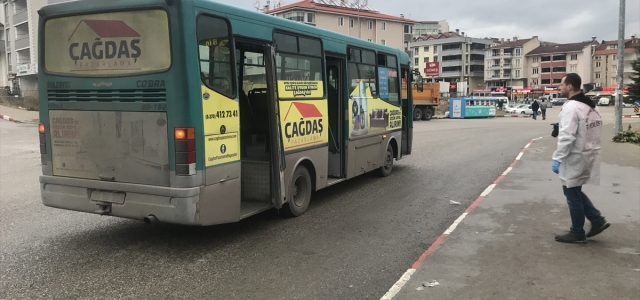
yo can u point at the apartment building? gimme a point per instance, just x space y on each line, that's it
354 19
549 63
605 62
429 27
506 64
20 19
458 58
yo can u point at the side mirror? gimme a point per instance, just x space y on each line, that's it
419 81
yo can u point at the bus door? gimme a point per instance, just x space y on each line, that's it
261 152
336 107
407 110
278 164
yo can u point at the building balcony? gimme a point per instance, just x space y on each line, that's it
23 68
20 17
494 67
451 52
477 62
451 74
451 63
22 42
507 54
476 73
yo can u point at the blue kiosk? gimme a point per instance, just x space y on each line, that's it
470 107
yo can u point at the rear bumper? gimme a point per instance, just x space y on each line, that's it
169 205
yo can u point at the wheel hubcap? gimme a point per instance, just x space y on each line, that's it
299 191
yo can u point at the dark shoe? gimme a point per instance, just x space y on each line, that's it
569 237
597 229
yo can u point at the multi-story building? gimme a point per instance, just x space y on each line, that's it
505 65
356 20
549 63
429 27
21 44
605 62
459 58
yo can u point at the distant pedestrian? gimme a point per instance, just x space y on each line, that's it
543 109
577 159
500 103
534 107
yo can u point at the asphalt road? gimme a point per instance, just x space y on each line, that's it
356 240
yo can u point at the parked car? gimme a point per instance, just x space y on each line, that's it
627 105
524 109
559 101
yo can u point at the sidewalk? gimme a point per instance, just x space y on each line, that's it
20 115
505 248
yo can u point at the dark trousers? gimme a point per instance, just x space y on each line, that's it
544 113
580 207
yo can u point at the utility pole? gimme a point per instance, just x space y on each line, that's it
619 77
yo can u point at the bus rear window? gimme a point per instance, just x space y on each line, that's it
108 44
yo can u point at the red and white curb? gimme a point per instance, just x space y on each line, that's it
630 116
407 275
4 117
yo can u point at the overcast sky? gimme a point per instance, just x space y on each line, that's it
560 21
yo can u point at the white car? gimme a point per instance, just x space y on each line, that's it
627 105
523 109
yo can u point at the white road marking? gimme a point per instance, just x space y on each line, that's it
455 224
398 285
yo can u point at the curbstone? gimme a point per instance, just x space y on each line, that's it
4 117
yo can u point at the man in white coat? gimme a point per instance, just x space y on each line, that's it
577 159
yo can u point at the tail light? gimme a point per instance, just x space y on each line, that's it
42 130
185 147
43 138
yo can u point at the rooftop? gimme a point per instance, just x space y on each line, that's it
339 7
561 48
512 44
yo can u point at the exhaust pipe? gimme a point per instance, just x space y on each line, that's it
150 219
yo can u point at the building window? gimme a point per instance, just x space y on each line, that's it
557 80
574 56
426 59
351 23
535 71
614 69
417 61
546 58
615 56
384 26
614 46
384 42
559 69
517 63
535 82
518 51
408 28
546 70
559 57
369 40
417 50
573 69
435 50
340 21
370 26
426 49
598 64
535 59
517 74
598 75
546 81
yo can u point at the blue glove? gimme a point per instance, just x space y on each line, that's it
554 166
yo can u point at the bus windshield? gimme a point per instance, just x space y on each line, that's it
108 44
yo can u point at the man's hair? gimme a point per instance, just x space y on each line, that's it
574 80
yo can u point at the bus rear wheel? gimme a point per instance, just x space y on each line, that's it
299 194
387 167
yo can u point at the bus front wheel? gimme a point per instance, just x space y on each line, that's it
299 193
387 167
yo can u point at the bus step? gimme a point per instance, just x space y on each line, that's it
250 208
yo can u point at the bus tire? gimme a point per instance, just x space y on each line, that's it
427 114
387 165
417 114
299 193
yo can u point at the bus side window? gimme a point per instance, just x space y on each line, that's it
215 55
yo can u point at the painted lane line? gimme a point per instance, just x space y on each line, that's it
398 285
393 291
455 224
488 190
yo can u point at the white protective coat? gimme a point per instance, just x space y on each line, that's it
579 144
